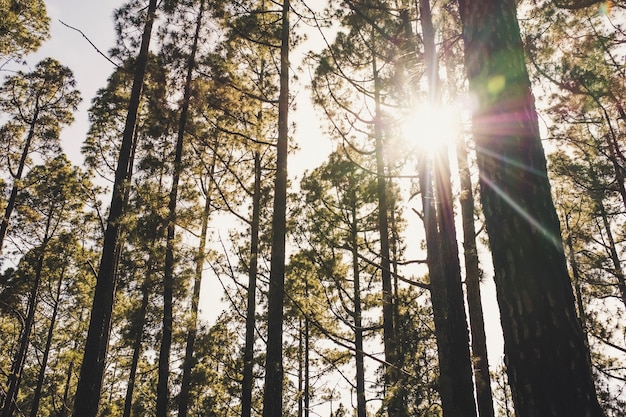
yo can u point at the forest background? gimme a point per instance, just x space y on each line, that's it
48 271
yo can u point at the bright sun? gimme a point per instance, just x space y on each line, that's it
430 128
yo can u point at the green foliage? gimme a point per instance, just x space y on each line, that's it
23 28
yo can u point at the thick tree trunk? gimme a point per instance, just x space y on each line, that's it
272 396
248 353
547 359
87 397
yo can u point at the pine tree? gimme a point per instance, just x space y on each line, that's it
25 25
37 104
547 360
92 369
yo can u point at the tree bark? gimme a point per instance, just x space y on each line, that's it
34 408
17 367
395 406
140 324
188 363
473 273
546 356
168 276
455 382
87 397
272 396
248 353
361 403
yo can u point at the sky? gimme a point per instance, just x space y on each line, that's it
91 70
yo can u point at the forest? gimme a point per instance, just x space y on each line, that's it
476 170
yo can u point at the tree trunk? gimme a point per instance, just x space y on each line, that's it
361 403
87 397
395 406
473 273
617 270
4 225
455 381
188 363
168 276
582 318
547 359
248 353
139 324
34 408
17 367
272 396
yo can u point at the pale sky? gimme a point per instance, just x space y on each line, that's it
91 70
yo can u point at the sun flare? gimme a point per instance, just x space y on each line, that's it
431 128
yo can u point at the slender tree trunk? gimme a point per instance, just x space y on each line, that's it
34 408
65 408
617 271
168 276
4 225
87 397
185 385
17 367
272 396
456 320
300 368
307 352
395 406
361 403
456 385
248 353
473 273
139 327
547 359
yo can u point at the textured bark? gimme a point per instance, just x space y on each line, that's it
248 352
272 396
546 356
480 361
87 397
